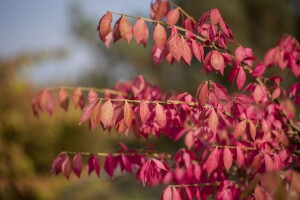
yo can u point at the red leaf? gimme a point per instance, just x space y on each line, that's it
198 50
173 16
258 93
160 115
276 93
92 95
104 27
220 91
215 16
256 162
227 158
106 115
87 111
57 163
240 157
46 101
175 46
240 129
203 94
167 194
93 164
213 120
63 99
116 30
240 54
252 130
212 161
159 164
140 31
144 111
268 162
78 98
241 78
186 51
125 29
128 114
77 164
217 61
109 165
188 193
66 167
160 36
176 195
259 70
95 116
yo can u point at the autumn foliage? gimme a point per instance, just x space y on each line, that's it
243 145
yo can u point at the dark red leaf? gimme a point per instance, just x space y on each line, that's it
109 165
57 163
66 167
77 164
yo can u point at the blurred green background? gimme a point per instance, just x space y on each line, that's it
47 43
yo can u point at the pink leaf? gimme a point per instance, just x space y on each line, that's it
92 96
215 16
173 16
125 29
160 115
227 158
159 164
78 98
259 70
240 54
66 167
144 111
276 93
203 94
77 164
240 157
198 50
175 46
213 120
241 78
159 36
217 61
95 116
167 194
186 51
141 31
87 111
106 114
252 128
128 114
212 161
104 27
63 99
268 162
240 129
